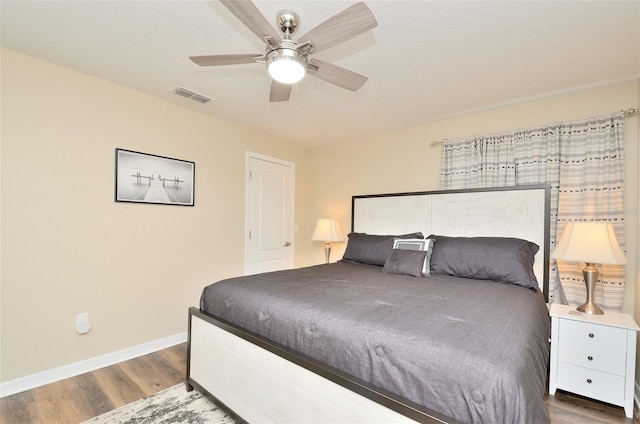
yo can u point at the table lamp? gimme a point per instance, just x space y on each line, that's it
327 230
592 243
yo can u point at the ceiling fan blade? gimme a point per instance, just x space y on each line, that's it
223 59
252 18
337 75
279 92
347 24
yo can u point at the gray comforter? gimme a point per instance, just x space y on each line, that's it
474 350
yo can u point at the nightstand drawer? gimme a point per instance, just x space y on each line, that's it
593 334
609 360
591 383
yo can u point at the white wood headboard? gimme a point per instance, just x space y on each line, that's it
520 212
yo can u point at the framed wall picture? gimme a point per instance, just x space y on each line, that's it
147 178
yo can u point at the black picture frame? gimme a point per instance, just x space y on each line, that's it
147 178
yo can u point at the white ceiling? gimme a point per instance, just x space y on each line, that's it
426 59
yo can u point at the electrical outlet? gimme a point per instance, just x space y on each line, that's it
82 323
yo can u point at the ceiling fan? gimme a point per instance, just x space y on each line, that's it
287 60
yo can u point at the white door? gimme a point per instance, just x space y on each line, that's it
270 205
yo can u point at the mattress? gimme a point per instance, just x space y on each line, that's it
474 350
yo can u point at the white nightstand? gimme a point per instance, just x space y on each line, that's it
593 355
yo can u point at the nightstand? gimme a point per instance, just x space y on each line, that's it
593 355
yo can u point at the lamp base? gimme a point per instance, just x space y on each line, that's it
590 274
590 308
327 251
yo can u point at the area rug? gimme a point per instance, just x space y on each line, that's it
174 405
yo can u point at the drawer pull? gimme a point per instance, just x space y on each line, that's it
591 335
589 380
590 358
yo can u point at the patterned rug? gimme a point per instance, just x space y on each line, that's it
174 405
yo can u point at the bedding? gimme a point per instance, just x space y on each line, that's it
474 350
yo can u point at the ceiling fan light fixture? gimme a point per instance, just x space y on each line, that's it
286 66
287 61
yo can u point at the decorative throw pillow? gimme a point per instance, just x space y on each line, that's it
417 244
502 259
407 262
372 249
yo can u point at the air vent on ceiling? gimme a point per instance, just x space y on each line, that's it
190 94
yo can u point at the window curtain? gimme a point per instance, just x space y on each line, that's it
583 163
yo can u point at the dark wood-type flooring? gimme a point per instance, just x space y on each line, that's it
79 398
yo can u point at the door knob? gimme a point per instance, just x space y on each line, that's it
287 244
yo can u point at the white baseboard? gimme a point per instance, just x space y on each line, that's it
56 374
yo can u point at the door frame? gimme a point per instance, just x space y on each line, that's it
292 171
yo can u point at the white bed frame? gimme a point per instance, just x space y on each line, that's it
258 381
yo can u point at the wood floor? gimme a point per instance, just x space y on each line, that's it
79 398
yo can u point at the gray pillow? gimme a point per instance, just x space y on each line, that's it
403 261
501 259
372 249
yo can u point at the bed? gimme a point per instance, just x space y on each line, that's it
451 328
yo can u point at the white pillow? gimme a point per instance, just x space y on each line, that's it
417 244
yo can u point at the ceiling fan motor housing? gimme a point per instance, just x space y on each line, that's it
286 49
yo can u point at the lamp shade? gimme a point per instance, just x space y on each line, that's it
590 242
327 230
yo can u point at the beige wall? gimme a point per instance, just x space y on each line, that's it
68 248
404 161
